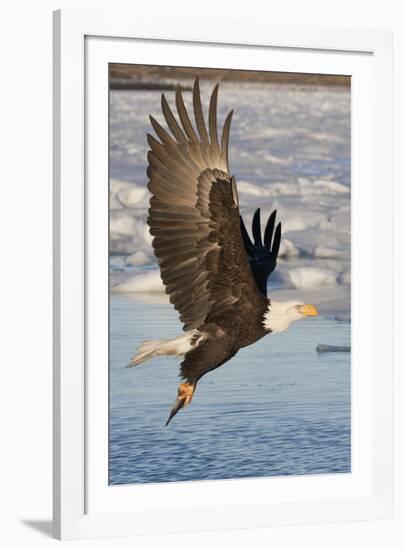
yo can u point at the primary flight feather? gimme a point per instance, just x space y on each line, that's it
215 276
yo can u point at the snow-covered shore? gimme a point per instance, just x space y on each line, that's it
289 150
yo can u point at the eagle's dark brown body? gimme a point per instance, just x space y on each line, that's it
219 348
236 321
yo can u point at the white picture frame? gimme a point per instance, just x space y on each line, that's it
84 505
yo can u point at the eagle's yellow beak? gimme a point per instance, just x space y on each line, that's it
308 310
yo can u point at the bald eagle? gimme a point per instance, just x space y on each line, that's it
215 276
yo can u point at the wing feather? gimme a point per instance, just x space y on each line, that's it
194 215
184 117
199 117
213 121
171 121
225 136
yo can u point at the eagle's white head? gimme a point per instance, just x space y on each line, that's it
280 315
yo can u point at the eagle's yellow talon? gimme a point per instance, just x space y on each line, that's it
185 393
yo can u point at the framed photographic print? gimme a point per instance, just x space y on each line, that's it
222 323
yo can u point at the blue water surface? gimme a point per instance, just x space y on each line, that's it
277 408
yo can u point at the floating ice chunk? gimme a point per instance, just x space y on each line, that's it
147 235
132 196
329 301
118 185
280 278
343 318
323 251
114 202
324 348
298 223
340 219
321 243
138 258
304 187
127 195
332 186
122 244
278 160
344 278
312 277
123 225
144 282
288 249
249 188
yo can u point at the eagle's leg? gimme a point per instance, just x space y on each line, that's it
185 394
210 354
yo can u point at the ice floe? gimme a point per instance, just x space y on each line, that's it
289 150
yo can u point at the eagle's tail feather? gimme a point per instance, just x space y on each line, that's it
152 348
146 350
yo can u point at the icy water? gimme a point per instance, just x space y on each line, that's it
277 408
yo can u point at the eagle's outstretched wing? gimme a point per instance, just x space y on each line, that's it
262 255
194 215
